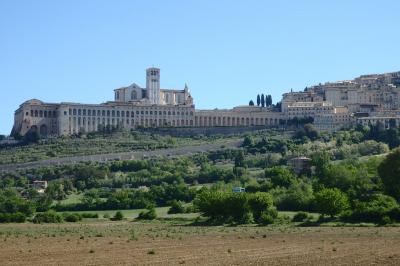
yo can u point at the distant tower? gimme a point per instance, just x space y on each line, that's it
153 85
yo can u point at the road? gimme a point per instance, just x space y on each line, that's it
170 152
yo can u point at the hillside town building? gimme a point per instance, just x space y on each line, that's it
333 106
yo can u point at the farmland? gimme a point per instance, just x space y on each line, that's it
132 243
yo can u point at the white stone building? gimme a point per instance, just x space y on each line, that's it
333 106
133 107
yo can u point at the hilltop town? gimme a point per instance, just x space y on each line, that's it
331 106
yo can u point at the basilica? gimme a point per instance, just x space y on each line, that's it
332 106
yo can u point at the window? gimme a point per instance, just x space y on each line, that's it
133 95
79 112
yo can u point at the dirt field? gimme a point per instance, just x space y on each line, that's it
127 243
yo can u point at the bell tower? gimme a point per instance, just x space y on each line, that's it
153 85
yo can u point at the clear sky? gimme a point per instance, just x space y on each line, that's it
226 51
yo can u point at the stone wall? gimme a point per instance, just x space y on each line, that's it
206 131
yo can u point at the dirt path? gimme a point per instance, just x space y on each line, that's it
171 152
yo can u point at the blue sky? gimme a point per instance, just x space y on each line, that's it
227 51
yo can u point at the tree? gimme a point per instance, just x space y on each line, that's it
331 201
262 100
389 172
268 100
280 176
258 100
260 202
248 141
251 103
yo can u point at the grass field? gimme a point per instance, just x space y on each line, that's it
132 243
161 213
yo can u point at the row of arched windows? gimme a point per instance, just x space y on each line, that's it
117 113
235 121
43 113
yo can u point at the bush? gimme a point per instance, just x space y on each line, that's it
47 217
379 209
259 202
176 207
72 217
90 215
331 201
149 214
298 197
268 217
300 217
17 217
229 207
118 216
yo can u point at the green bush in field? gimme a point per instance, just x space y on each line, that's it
300 217
72 217
118 216
148 214
331 201
268 216
379 209
176 207
90 215
17 217
227 207
47 217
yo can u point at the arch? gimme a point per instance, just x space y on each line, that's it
43 130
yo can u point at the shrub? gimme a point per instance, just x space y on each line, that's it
268 217
331 201
389 171
118 216
176 207
72 217
259 202
229 207
379 209
300 217
17 217
47 217
90 215
149 214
